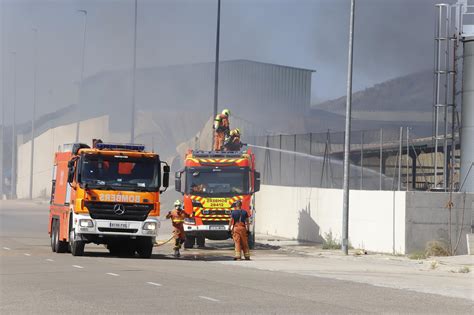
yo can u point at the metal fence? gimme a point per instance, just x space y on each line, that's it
385 159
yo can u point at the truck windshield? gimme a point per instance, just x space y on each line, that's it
217 181
120 172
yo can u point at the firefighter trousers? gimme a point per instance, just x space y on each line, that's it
219 137
241 241
179 238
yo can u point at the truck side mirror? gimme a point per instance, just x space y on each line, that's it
177 181
166 176
257 182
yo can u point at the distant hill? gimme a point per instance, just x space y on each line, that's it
412 93
403 101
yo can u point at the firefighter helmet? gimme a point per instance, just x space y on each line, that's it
226 112
235 132
177 203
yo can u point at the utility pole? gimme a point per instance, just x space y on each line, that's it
134 71
33 118
400 143
347 137
13 170
216 64
381 159
408 158
82 70
4 103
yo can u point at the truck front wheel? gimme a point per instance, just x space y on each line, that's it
201 241
145 247
77 247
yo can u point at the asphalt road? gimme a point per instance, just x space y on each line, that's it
35 280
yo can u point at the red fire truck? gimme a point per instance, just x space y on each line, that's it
211 183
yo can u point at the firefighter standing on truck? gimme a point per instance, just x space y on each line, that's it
240 228
177 216
221 129
232 142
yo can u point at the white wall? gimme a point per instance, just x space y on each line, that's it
427 219
381 221
376 218
46 145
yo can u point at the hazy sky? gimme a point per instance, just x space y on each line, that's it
392 38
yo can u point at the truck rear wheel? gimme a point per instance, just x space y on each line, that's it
58 245
251 241
189 241
145 247
61 246
53 235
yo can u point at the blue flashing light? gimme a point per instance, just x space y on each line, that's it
118 146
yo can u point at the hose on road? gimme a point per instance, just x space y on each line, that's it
161 244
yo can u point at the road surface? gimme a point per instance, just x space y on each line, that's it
35 280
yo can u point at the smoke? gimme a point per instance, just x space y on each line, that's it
392 38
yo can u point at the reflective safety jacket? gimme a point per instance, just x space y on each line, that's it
177 217
221 123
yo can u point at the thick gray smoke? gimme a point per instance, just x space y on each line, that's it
392 38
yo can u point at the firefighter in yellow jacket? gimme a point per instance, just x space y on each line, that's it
221 129
177 216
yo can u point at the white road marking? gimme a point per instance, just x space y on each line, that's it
49 259
208 298
77 266
6 248
26 254
154 283
112 274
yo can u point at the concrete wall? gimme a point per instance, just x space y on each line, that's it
427 219
381 221
376 220
46 145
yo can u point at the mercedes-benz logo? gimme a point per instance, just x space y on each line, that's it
119 209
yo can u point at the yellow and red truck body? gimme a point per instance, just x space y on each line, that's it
106 195
213 183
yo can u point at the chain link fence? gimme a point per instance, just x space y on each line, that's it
384 159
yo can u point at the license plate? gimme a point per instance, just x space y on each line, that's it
119 225
217 227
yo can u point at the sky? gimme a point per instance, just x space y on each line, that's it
392 38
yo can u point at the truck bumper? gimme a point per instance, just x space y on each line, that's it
115 227
213 232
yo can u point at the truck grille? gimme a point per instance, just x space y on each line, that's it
105 211
118 230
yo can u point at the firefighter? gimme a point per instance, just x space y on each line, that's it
232 142
221 129
239 227
177 216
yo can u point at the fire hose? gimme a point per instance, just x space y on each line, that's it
160 244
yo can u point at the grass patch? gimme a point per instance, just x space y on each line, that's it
330 242
418 255
434 264
464 269
436 248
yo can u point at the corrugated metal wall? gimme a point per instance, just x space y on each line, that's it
249 88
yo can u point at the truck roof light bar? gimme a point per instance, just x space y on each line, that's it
119 146
218 153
